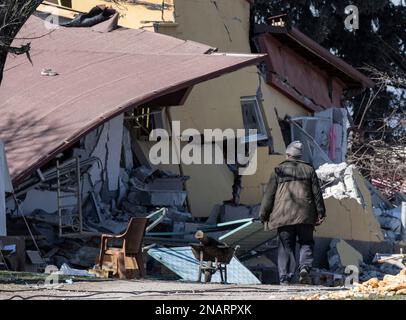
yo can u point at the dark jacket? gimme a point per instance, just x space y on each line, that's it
293 196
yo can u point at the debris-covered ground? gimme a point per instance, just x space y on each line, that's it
86 199
155 289
390 286
177 290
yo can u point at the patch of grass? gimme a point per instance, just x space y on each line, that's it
381 297
14 277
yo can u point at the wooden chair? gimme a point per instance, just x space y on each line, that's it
129 257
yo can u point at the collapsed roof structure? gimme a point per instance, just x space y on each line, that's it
75 100
97 75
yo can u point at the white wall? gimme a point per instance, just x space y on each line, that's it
5 186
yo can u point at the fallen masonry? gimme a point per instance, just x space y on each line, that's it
390 285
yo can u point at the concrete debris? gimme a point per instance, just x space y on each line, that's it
127 152
156 188
382 264
390 285
113 191
371 271
338 181
138 192
390 221
396 260
321 277
341 255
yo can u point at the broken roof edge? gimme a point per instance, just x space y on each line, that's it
133 103
317 50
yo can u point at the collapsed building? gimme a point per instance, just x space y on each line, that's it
78 134
67 132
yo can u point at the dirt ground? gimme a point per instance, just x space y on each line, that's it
156 290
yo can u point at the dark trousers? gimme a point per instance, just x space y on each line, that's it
287 245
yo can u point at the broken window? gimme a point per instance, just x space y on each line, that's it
252 115
253 118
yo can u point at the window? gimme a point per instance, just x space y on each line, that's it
253 116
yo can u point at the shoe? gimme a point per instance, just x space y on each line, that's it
284 281
304 277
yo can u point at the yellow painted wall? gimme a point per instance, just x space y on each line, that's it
348 220
253 187
132 15
216 103
223 24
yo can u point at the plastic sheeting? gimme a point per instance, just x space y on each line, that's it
181 261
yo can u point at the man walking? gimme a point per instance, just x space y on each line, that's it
293 204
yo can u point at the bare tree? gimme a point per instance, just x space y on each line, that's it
13 15
380 160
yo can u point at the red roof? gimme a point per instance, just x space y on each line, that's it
100 76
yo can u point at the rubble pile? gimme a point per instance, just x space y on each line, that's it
341 255
344 260
141 191
337 180
390 221
390 285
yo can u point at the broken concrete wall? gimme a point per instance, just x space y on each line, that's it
391 223
216 104
339 181
114 146
105 143
348 219
341 255
127 150
225 25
